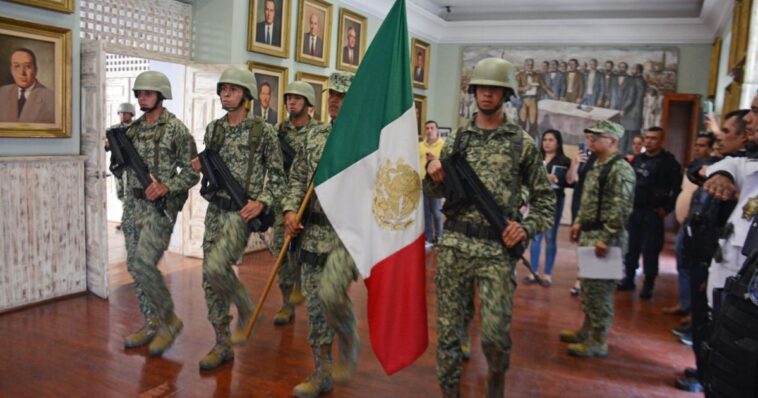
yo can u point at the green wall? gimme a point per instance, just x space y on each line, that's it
692 77
48 146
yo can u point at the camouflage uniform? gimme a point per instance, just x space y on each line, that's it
465 261
147 231
289 271
617 200
226 232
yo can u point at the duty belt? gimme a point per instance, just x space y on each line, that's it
314 259
592 226
473 230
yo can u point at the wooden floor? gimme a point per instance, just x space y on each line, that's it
73 347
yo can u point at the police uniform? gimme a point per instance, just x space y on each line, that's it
471 252
602 216
167 148
327 268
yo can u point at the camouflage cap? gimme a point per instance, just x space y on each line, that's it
606 127
340 82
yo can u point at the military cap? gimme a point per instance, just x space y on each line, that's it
303 89
340 81
606 127
152 81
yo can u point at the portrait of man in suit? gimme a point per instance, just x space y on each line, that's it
593 85
264 107
574 82
418 70
313 43
269 31
351 52
26 100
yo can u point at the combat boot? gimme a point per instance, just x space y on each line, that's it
453 391
296 297
320 381
143 336
221 352
239 335
647 288
495 384
287 313
166 335
348 350
576 336
596 346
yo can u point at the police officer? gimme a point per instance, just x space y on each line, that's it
249 148
605 206
299 97
125 115
167 148
327 268
659 177
471 252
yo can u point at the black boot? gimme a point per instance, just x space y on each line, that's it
647 289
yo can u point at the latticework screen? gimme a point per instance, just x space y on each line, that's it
155 29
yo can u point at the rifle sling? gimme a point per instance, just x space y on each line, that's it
254 139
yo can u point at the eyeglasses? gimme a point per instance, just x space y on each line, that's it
595 137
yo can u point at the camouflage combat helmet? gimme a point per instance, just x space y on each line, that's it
126 107
493 72
152 81
606 127
299 87
239 77
340 82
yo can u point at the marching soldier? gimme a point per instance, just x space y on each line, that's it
126 113
471 251
250 150
167 148
298 96
605 206
327 268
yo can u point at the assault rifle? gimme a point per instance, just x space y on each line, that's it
464 185
217 177
288 153
123 155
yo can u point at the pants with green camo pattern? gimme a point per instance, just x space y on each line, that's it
597 302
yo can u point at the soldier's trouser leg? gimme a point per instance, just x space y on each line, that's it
319 333
339 272
288 272
226 238
597 302
452 279
468 316
131 237
496 288
154 231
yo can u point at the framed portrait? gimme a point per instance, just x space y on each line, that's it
420 56
351 40
314 32
714 75
445 132
268 27
271 81
35 80
54 5
319 110
419 102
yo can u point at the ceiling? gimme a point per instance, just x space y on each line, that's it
560 21
485 10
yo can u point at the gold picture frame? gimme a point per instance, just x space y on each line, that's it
350 21
278 43
319 83
421 51
66 6
275 77
740 33
316 50
714 71
41 56
419 102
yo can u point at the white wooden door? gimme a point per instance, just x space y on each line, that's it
92 133
201 106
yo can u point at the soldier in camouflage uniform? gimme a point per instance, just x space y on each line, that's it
250 150
471 252
600 223
126 113
167 148
327 268
298 96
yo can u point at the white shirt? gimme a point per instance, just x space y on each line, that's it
590 80
26 91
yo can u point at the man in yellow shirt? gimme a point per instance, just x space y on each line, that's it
429 149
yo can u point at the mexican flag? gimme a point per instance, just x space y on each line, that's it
369 187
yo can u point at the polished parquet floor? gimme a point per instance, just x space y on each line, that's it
73 347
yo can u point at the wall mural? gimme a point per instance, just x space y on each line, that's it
569 88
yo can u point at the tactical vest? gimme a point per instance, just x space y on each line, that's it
732 352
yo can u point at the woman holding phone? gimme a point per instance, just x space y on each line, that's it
557 165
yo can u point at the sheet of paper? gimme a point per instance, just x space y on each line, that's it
593 267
